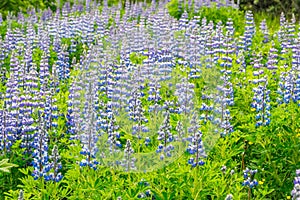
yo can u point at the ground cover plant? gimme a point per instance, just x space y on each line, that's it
160 100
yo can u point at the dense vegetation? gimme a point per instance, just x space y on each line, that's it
165 100
271 7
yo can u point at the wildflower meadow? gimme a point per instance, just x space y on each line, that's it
156 100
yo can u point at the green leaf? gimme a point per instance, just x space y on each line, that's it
287 129
5 165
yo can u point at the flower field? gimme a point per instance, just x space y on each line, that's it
149 100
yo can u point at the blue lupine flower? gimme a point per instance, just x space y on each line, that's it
206 107
136 113
180 131
296 190
147 141
166 137
90 133
192 54
62 64
272 59
249 180
7 136
154 96
40 153
282 33
264 30
129 161
55 165
229 197
208 41
224 100
113 136
148 192
196 146
287 87
261 103
185 94
249 29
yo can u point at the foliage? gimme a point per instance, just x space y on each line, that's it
5 165
16 6
272 7
273 150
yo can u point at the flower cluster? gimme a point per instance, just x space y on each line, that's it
55 165
206 108
42 162
154 96
289 87
90 133
249 181
196 146
129 161
165 135
229 197
249 29
180 131
296 190
261 104
264 30
223 113
272 59
185 94
40 154
113 135
136 113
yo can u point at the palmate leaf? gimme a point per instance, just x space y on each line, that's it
5 165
